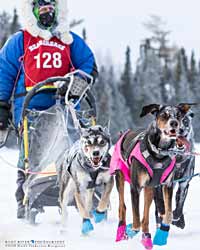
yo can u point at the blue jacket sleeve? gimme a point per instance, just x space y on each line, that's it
82 56
10 64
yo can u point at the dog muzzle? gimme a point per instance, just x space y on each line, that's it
95 159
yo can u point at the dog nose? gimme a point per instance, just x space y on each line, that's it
174 123
96 153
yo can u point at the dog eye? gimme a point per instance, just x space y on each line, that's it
88 143
164 115
185 122
102 142
179 115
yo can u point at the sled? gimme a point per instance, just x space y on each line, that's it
47 135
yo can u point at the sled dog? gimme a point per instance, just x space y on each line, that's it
86 167
184 168
143 159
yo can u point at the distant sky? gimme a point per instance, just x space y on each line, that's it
113 24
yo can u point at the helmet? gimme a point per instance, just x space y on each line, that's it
46 13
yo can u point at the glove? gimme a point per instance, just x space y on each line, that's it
4 115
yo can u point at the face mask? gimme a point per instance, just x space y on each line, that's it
45 12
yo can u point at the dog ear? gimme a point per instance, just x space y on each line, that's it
152 108
106 130
185 107
83 131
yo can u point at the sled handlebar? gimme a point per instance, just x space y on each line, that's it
38 88
69 78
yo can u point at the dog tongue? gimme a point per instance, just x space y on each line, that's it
96 160
182 141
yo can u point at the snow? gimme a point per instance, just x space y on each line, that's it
103 237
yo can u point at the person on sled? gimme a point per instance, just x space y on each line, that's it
44 48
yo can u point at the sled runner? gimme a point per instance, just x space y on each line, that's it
47 134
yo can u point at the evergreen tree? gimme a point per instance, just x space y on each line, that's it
4 27
147 84
15 25
184 62
111 105
192 71
182 84
194 78
126 87
150 72
8 26
177 73
119 112
84 34
101 96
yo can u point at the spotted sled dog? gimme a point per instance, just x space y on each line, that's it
85 168
184 169
143 160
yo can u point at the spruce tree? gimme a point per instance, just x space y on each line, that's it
182 84
126 87
15 25
119 112
193 70
84 34
4 27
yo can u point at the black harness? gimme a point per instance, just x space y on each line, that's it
85 164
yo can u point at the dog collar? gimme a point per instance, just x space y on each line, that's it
158 151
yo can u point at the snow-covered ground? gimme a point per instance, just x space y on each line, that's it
102 238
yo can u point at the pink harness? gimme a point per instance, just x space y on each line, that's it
118 163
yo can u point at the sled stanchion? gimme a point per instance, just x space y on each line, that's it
26 144
94 122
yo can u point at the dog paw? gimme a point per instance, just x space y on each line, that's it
130 232
99 216
87 226
161 235
121 233
146 241
179 222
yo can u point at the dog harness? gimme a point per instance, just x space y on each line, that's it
75 154
118 163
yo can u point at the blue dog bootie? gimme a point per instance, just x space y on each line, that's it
161 235
99 216
130 232
87 226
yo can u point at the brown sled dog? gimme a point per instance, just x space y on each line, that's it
143 159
